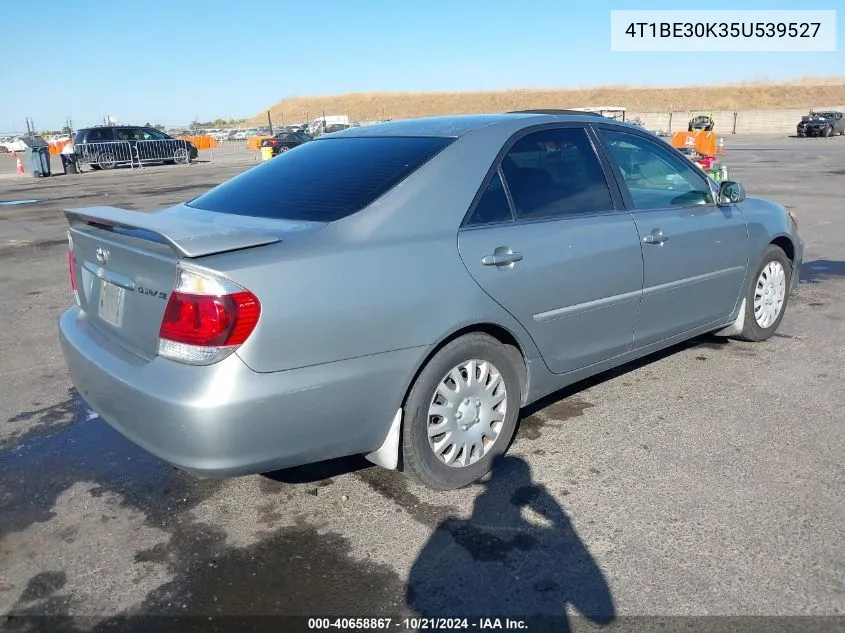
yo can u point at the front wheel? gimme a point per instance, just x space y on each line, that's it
461 412
766 298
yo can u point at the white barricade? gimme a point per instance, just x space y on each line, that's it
105 155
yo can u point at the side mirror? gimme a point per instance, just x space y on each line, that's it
731 192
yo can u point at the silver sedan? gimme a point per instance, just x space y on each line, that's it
401 290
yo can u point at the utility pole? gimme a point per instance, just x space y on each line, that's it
270 122
28 128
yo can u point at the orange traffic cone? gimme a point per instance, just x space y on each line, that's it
19 167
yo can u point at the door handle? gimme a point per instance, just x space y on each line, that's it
656 237
501 259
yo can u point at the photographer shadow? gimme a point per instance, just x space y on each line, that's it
518 556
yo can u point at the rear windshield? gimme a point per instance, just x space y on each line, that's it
322 180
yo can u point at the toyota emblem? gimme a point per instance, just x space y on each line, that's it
102 255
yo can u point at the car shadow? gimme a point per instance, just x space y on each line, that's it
319 471
518 556
705 340
819 270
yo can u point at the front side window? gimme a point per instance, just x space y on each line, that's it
654 176
150 134
555 173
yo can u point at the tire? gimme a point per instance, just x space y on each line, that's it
94 166
420 462
767 271
828 131
106 161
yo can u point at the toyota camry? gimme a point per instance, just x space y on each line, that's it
402 290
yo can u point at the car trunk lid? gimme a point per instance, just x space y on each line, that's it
125 262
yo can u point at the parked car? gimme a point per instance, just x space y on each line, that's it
402 290
701 122
14 144
107 147
283 141
822 124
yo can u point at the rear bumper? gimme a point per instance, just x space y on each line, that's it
225 419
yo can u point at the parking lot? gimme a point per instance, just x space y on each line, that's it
708 480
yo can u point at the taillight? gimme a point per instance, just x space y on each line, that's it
273 143
206 319
70 266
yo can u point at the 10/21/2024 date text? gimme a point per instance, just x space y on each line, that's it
416 624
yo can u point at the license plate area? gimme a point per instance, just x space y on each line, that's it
112 300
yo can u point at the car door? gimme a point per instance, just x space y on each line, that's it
156 144
548 240
128 149
289 140
695 252
90 144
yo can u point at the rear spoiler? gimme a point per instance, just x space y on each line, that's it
186 237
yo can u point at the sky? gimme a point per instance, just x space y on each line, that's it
173 61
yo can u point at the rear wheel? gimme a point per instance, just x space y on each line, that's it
766 298
461 412
106 161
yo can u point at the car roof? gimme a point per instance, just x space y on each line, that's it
458 125
109 127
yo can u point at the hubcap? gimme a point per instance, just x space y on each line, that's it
467 413
769 294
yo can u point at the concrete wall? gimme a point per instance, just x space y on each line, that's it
776 122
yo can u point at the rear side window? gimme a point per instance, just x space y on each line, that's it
555 173
323 180
97 135
127 134
493 206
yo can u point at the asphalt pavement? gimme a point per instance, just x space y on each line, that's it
705 481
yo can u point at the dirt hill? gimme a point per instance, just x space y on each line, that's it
804 93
